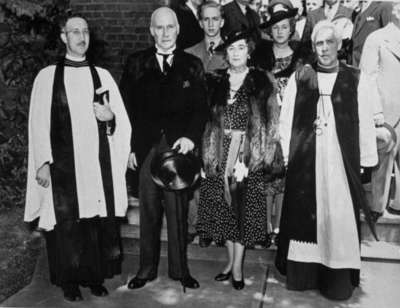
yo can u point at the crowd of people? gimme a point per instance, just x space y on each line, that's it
289 104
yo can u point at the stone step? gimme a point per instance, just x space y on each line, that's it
387 249
212 253
380 251
387 227
371 250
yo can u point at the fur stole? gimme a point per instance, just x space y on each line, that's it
261 148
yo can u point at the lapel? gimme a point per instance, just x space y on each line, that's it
340 13
361 19
202 48
319 15
239 16
391 41
151 63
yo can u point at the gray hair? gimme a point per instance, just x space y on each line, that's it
160 10
326 24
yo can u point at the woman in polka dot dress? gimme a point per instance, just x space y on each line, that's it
240 152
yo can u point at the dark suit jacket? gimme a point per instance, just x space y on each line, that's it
210 63
319 14
376 16
235 20
174 105
190 32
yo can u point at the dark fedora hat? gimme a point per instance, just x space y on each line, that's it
233 37
279 10
175 171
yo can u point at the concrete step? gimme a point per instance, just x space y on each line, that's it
380 251
386 250
387 228
370 250
212 253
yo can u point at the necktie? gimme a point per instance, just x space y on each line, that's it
211 48
166 66
249 18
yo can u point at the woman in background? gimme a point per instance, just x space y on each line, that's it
281 56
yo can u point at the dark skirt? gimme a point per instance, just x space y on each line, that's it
84 252
243 221
334 284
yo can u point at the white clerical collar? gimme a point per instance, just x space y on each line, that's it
190 5
74 58
242 7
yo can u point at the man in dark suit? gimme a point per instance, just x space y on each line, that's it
190 32
239 17
164 92
211 21
373 16
332 11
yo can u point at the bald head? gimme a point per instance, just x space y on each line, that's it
161 12
164 28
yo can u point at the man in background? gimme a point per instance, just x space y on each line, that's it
379 80
240 17
190 32
373 15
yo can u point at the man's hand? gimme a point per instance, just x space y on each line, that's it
184 144
132 162
43 175
103 112
379 119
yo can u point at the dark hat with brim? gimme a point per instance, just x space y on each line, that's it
175 171
233 37
279 12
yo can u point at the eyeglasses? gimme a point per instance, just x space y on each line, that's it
77 32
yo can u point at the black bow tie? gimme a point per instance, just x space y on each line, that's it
72 63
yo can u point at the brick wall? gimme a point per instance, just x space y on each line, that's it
123 24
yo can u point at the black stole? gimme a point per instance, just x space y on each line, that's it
298 220
63 175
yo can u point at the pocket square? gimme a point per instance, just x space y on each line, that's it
370 18
186 84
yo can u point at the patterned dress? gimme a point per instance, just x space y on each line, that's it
243 221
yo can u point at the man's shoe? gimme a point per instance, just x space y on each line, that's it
223 276
189 282
204 242
72 293
98 290
136 282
